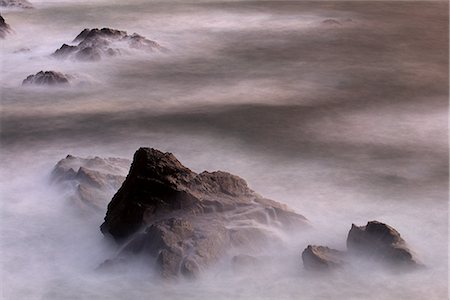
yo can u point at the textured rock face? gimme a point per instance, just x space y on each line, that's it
93 44
91 181
15 4
380 241
4 28
187 221
46 78
322 258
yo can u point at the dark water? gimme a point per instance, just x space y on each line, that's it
345 123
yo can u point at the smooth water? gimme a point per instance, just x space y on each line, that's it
345 123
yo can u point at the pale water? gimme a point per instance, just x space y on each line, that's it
345 123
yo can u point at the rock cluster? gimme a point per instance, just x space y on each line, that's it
15 4
91 181
186 221
93 44
4 28
375 241
46 78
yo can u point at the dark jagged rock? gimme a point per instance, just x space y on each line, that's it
380 241
190 220
4 28
88 34
65 50
92 181
47 78
93 44
376 241
322 258
15 4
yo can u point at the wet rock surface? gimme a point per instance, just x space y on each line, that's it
187 221
4 28
15 4
382 242
93 44
321 258
90 181
47 78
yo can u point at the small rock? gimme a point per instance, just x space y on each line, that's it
331 22
46 78
382 242
321 258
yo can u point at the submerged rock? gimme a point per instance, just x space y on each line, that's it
93 44
15 4
47 78
22 50
382 242
91 181
4 28
244 261
320 258
331 22
185 220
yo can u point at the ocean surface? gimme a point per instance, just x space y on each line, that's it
345 122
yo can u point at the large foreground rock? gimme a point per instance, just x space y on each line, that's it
321 258
382 242
15 4
91 182
93 44
4 28
187 221
47 78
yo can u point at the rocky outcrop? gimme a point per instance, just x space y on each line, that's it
4 28
47 78
186 221
321 258
15 4
91 182
376 241
93 44
382 242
